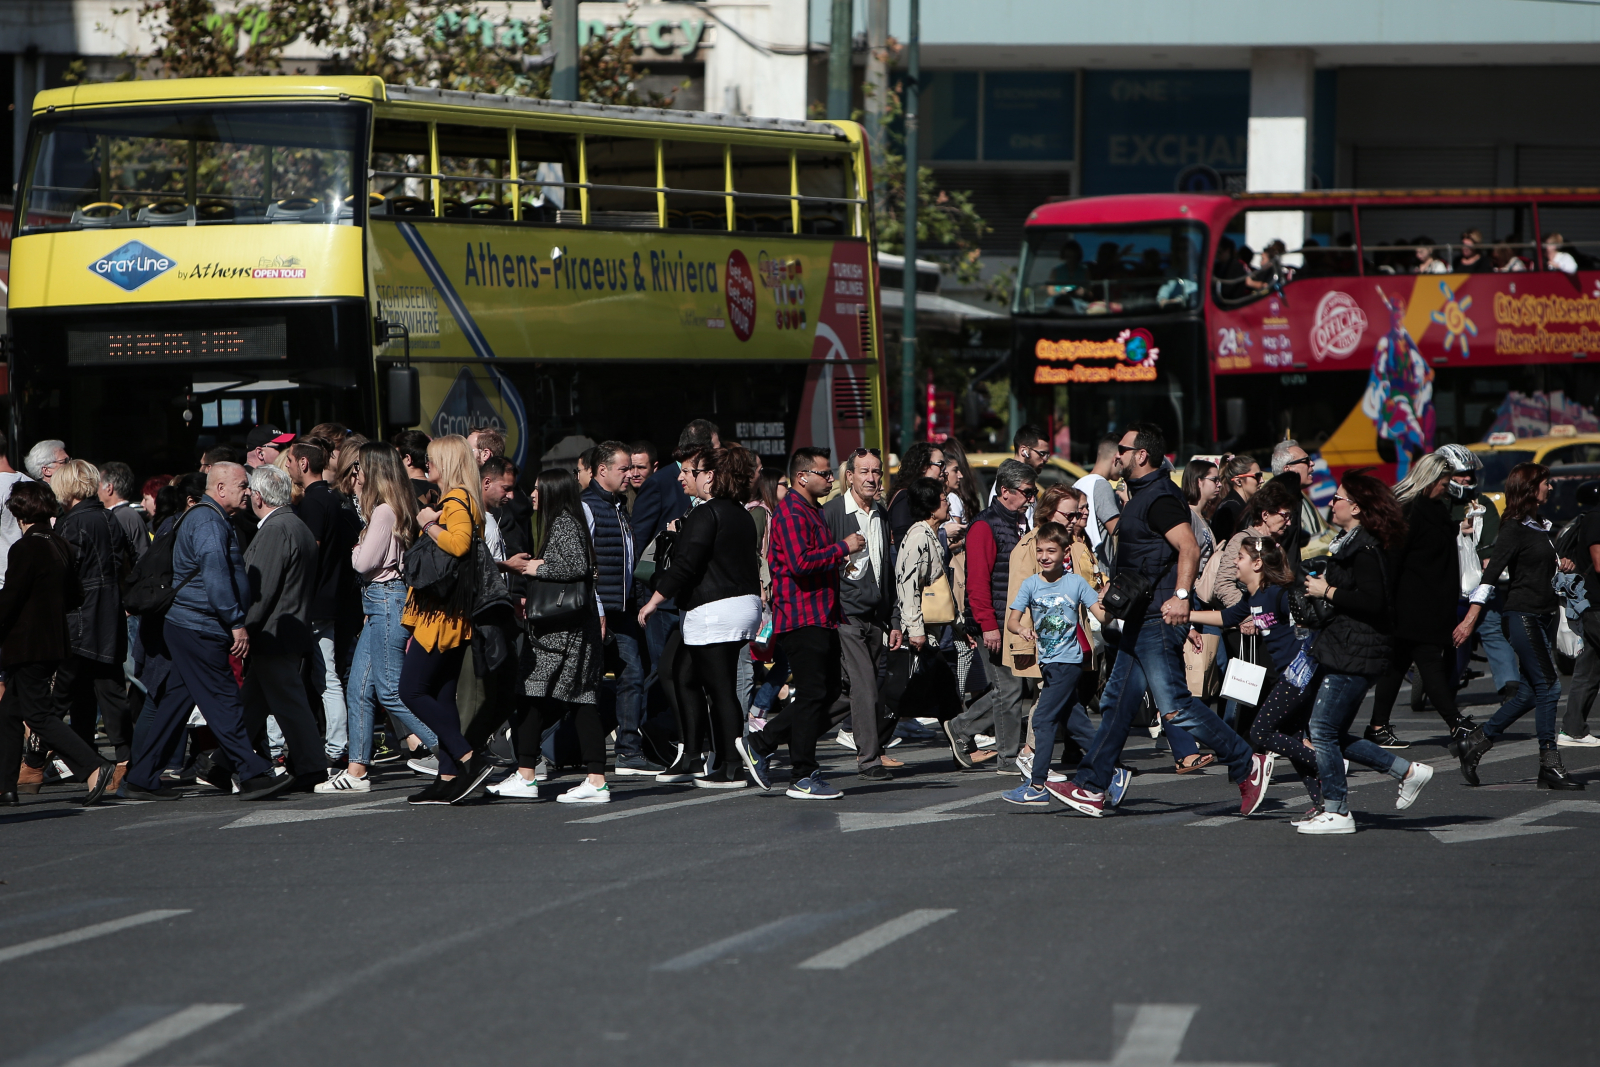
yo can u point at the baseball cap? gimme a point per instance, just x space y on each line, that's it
269 435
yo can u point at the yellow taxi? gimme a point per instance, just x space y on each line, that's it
1055 472
1502 451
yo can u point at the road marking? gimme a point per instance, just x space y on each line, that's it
760 939
610 816
865 944
85 933
276 817
1516 825
1145 1035
157 1035
849 822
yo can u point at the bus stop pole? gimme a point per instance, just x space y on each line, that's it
564 35
908 283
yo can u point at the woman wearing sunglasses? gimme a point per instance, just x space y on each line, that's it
1241 479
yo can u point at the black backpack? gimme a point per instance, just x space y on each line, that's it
147 589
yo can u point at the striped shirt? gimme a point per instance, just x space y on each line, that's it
805 563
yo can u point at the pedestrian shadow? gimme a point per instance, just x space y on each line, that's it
35 816
1382 820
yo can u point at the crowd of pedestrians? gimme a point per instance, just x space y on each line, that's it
315 611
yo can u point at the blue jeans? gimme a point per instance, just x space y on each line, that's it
630 686
1060 692
1496 649
375 669
1338 700
1151 653
1532 636
325 684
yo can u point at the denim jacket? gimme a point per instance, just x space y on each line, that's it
207 560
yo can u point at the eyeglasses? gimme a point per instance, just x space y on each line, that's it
941 464
822 473
1337 499
1028 494
695 471
355 468
858 453
1126 448
1257 475
1297 462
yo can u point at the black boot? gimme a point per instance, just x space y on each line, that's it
1472 749
1463 729
1552 775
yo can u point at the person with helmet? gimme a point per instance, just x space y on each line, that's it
1478 519
1586 671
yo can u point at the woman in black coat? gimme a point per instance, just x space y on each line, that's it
1426 578
90 679
41 587
716 582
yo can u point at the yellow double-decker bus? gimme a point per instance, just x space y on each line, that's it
195 257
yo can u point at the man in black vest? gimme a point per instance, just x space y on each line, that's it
607 512
866 597
1155 541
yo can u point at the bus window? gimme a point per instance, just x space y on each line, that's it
1572 231
476 162
764 172
208 164
1248 264
548 160
695 165
1147 268
620 161
1428 239
825 174
400 149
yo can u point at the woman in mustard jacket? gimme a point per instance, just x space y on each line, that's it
440 631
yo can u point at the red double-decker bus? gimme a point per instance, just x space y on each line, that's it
1380 325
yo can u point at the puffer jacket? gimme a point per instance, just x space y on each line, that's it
1358 639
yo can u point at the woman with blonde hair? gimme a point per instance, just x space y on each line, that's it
90 677
390 503
441 625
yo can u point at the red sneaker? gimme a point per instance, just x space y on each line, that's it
1253 790
1078 798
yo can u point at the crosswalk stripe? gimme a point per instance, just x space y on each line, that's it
865 944
158 1035
85 933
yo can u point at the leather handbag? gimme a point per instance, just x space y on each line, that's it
558 605
938 603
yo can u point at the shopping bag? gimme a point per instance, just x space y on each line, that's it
1244 680
1200 666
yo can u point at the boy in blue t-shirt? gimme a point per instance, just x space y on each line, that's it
1052 598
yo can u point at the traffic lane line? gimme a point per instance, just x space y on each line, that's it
651 809
155 1036
762 938
866 943
56 912
85 933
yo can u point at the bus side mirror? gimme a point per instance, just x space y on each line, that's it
403 396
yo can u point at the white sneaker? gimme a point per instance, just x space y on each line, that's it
1025 765
1418 776
1328 822
542 771
1586 741
584 793
983 741
846 738
1054 776
516 787
343 782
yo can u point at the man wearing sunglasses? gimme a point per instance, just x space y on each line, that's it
990 540
1156 542
1033 450
1289 460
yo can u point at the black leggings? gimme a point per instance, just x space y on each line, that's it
1435 664
28 700
710 670
532 716
428 688
1286 703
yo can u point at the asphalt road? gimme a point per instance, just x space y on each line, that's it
916 922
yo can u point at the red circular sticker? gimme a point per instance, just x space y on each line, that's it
739 282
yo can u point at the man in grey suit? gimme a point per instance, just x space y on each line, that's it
866 597
282 564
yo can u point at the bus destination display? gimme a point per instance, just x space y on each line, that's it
226 344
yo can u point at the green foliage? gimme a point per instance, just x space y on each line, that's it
945 218
443 44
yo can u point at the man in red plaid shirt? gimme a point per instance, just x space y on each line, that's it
805 560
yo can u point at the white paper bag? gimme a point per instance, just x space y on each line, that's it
1243 682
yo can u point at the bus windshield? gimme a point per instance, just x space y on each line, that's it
1145 269
154 166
